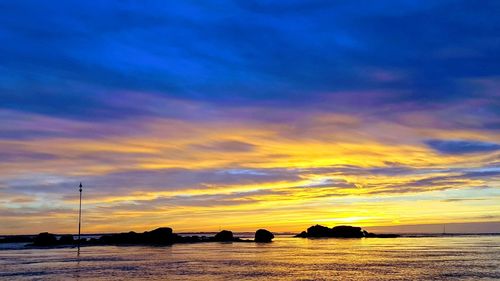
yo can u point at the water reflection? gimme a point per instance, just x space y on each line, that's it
432 258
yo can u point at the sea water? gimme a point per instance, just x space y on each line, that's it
287 258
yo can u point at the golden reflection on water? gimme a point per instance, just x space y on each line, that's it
432 258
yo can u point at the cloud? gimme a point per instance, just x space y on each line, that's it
125 183
463 199
22 155
228 146
75 68
329 183
461 146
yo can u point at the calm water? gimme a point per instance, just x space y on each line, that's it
431 258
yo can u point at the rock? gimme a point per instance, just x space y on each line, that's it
263 235
303 234
224 236
342 231
318 231
346 231
122 238
162 235
17 239
370 235
45 239
161 231
66 239
159 236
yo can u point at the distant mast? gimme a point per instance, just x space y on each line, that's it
444 229
80 218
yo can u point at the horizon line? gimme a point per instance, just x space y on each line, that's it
380 227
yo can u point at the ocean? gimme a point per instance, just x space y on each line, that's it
471 257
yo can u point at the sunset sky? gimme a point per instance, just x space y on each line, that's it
240 115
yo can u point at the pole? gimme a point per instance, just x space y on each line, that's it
80 218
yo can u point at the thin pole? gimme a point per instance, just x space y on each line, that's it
80 218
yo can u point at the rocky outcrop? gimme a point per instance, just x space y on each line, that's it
342 231
263 236
66 239
45 239
224 236
303 234
162 235
159 236
16 239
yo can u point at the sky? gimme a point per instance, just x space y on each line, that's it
202 115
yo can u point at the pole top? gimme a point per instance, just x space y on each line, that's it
81 187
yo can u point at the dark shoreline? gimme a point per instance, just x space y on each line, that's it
165 237
246 233
162 236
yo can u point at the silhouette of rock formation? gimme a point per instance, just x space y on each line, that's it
159 236
224 236
45 239
264 236
66 239
162 235
17 239
342 231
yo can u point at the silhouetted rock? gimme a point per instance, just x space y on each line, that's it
159 236
162 235
45 239
66 239
17 239
263 235
224 236
122 238
346 231
370 234
318 231
303 234
342 231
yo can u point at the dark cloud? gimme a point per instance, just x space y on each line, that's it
462 146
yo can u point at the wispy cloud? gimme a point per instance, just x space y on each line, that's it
462 146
